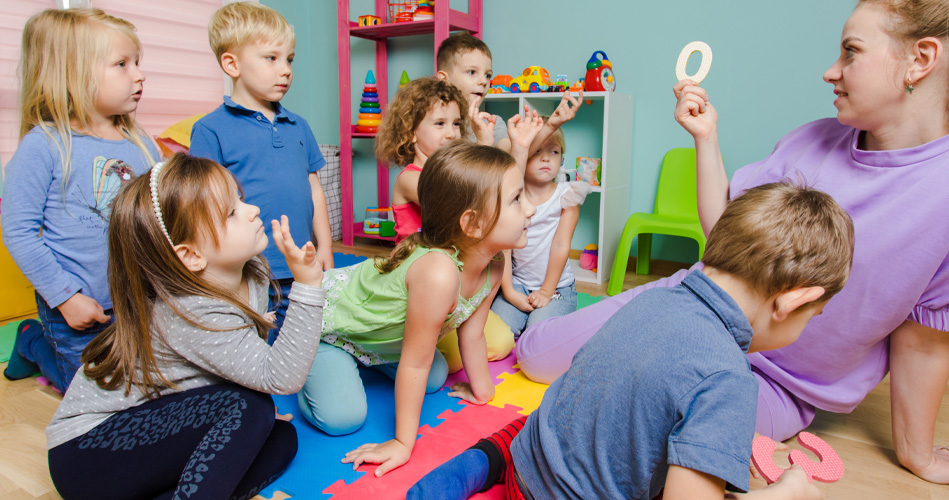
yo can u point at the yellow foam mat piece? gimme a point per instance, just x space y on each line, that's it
181 132
517 390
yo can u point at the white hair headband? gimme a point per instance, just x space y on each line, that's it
153 183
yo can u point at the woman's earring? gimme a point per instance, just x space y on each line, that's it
909 88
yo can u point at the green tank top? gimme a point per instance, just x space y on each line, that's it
365 309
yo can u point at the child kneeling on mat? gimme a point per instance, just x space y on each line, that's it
185 372
662 397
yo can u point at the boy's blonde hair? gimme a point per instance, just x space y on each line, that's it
59 60
407 110
238 24
779 236
455 46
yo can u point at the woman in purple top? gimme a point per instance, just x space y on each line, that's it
885 159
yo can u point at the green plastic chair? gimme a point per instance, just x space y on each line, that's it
675 214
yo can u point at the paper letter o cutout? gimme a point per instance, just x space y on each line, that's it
687 51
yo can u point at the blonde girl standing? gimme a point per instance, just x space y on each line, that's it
79 143
184 373
389 314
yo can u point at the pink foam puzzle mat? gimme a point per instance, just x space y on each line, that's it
447 427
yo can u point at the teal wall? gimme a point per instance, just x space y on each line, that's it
765 79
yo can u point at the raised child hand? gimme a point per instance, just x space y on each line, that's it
564 113
302 262
389 455
693 110
482 123
522 129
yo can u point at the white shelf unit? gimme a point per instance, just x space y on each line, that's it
615 132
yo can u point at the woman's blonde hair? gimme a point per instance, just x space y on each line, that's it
59 60
459 177
240 23
407 110
195 196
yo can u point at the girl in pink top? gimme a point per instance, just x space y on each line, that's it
424 115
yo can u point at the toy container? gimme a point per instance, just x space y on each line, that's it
375 216
589 170
402 11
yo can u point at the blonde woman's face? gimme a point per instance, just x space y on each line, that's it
120 81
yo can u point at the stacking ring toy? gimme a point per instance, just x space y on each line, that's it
687 51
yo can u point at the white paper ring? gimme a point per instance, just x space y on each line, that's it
691 48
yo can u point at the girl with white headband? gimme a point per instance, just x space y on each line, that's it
185 371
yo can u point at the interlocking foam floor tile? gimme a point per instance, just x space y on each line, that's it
518 390
345 259
277 495
495 368
317 464
435 446
584 300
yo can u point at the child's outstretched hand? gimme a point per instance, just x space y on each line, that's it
564 112
462 390
693 110
302 262
389 455
522 129
482 123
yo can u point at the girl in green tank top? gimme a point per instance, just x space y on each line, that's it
391 312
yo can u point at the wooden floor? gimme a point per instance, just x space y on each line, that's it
862 438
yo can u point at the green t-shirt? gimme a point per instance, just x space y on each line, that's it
365 309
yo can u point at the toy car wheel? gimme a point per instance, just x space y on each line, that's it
535 87
515 88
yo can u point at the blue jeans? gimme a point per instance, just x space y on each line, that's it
57 352
564 302
333 398
280 307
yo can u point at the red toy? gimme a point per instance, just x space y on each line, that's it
829 469
600 73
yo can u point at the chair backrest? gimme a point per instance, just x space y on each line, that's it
676 194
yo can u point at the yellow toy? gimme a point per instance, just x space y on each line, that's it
365 21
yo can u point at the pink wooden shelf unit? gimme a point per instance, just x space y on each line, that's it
446 20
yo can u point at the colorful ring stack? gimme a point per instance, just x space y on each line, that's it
425 11
370 112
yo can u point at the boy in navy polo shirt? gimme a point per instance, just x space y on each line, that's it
662 398
270 150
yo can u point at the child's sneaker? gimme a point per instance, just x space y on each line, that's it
19 367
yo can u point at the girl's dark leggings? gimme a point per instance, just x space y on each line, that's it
213 442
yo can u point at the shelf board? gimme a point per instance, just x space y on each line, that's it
581 274
358 232
457 21
510 96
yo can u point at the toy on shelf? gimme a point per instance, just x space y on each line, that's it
827 469
501 84
404 80
370 113
375 218
402 11
589 170
532 79
369 21
425 11
600 73
588 259
560 84
578 86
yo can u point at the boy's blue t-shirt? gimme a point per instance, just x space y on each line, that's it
56 233
664 382
272 162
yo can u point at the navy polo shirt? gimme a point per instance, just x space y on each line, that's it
272 162
664 382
